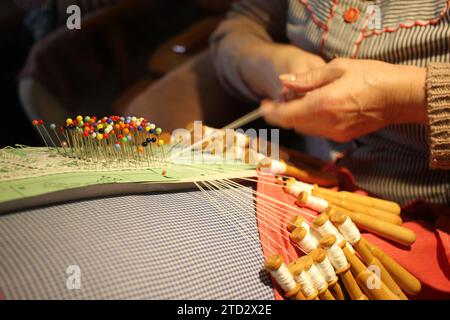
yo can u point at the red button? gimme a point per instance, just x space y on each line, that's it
351 15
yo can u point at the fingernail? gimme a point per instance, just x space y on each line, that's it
288 77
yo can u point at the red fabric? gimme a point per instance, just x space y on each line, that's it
428 259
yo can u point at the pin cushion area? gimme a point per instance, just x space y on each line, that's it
86 151
28 171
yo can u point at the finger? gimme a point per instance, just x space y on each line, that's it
289 114
310 80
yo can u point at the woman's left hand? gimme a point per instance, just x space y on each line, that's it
349 98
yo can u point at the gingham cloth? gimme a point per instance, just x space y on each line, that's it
159 246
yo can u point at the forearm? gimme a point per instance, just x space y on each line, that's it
423 96
250 24
406 94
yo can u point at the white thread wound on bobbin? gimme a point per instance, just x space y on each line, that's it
277 167
239 153
316 203
308 243
326 269
350 231
307 227
210 132
284 278
329 228
337 257
296 187
306 283
241 139
317 278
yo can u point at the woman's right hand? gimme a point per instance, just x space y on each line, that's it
261 65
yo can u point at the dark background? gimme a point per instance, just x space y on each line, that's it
147 33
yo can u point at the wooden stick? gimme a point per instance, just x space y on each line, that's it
353 289
364 275
403 277
356 207
279 271
297 268
312 176
376 203
307 263
383 229
305 175
319 255
368 258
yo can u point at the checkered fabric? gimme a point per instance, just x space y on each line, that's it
158 246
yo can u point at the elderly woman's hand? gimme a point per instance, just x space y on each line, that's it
261 64
349 98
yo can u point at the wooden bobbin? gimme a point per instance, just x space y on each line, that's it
368 258
356 207
383 229
299 236
273 264
319 255
344 273
295 222
280 181
325 179
376 203
368 281
307 263
294 187
297 268
407 282
320 220
314 203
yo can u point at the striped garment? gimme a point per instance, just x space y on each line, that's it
394 162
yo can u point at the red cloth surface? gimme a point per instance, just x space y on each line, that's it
428 258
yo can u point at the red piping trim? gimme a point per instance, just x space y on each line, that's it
363 35
411 24
324 32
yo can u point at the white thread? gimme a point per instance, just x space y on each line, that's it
296 187
255 157
241 139
337 257
208 132
305 225
316 203
317 278
284 278
326 269
239 154
277 167
260 157
350 231
212 132
306 283
328 228
308 243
